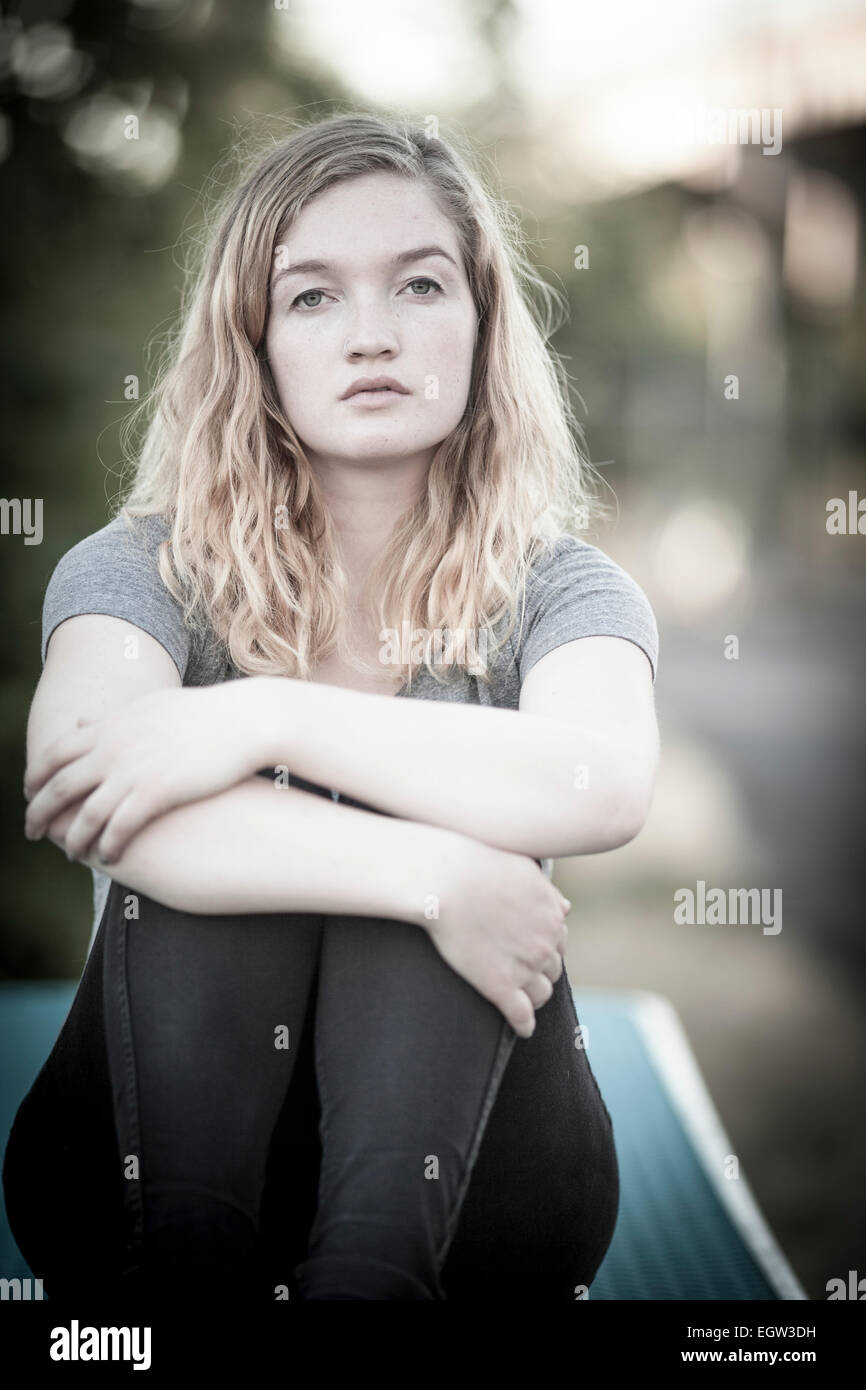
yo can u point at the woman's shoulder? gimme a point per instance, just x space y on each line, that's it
114 570
120 536
572 557
574 588
124 529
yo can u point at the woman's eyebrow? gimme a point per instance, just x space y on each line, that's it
417 253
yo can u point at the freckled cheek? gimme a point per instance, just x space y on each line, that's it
451 362
295 367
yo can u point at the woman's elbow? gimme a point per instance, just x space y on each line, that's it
626 828
632 807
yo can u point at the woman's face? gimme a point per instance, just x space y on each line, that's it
381 303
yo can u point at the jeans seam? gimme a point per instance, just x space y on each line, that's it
121 1058
507 1039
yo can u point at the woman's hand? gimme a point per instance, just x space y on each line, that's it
501 925
159 751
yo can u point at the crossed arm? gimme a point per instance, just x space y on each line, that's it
570 773
157 774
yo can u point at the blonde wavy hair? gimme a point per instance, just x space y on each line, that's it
252 553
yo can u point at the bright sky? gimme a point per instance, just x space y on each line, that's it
401 51
604 81
411 51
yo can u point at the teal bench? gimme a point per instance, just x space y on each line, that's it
684 1230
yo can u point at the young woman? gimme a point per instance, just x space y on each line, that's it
316 706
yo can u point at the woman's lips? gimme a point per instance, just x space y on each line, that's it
383 395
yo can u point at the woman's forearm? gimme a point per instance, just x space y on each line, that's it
506 778
257 847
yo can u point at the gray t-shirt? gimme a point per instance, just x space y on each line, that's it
577 591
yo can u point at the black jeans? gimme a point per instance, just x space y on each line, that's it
305 1106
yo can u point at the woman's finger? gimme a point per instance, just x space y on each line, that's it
130 815
523 1021
552 968
93 815
72 782
539 990
70 745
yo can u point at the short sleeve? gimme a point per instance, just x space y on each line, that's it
579 591
115 571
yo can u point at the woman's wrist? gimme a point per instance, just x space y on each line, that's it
423 867
420 862
268 718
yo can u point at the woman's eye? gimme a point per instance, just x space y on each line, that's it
304 296
425 280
